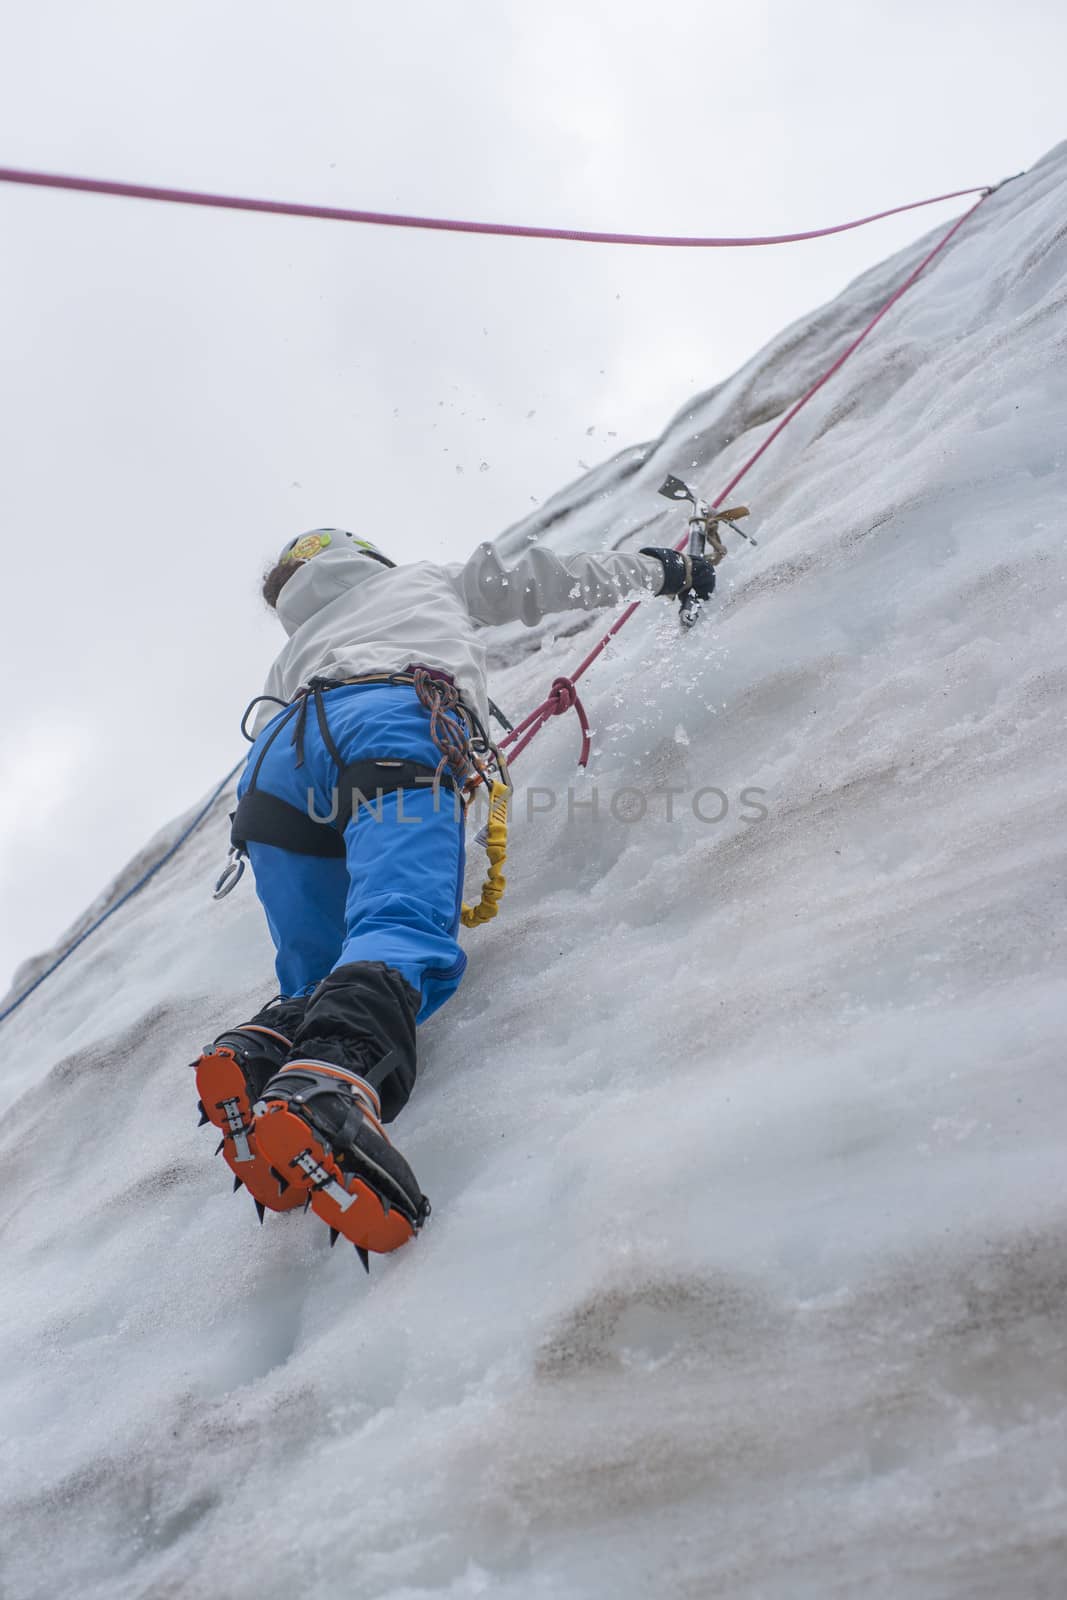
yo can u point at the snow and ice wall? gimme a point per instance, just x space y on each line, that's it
746 1273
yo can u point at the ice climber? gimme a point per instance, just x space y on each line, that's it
350 809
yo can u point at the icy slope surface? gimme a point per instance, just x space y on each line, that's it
748 1267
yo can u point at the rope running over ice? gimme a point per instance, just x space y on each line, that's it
552 706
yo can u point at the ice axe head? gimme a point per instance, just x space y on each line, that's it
674 489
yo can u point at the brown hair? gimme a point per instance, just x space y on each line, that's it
275 579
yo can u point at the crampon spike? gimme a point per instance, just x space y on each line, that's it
307 1202
237 1184
335 1234
364 1256
218 1147
283 1183
261 1211
203 1114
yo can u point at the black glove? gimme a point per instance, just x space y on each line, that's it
684 573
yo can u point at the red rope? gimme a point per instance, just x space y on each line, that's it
387 219
563 696
539 717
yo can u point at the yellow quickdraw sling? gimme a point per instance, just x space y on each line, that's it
495 835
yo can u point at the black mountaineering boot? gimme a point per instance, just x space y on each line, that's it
320 1127
230 1075
319 1120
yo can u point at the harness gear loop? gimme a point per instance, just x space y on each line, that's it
250 707
496 847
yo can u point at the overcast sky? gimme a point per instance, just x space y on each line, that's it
184 390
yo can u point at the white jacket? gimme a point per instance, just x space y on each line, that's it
346 614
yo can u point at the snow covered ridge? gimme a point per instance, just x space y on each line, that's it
746 1274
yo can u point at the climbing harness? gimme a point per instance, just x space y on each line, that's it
263 818
468 759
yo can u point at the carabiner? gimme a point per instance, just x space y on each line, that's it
231 874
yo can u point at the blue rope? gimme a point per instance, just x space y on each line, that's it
168 855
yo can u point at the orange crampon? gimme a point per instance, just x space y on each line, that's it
318 1127
227 1089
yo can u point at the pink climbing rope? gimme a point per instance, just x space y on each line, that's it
388 219
563 695
551 706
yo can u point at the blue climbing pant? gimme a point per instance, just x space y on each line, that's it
396 895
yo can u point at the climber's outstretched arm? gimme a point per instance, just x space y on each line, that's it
540 583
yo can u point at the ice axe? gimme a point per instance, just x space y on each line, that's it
703 532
